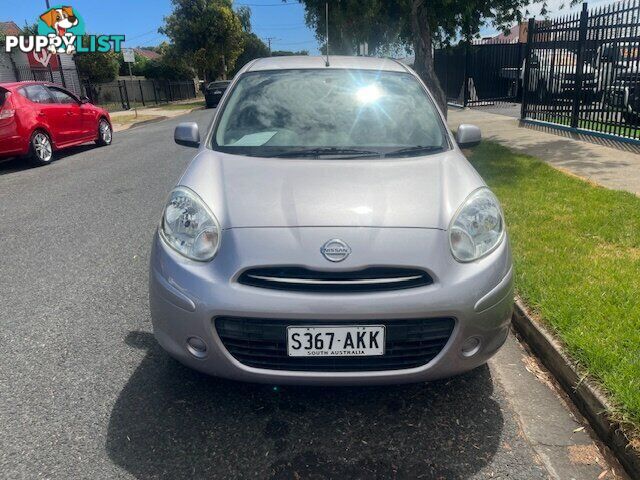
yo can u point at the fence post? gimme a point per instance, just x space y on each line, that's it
155 92
141 93
577 89
527 67
467 61
86 85
64 83
124 99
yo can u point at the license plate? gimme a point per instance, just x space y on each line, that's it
335 341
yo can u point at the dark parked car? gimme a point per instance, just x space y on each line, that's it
214 91
38 118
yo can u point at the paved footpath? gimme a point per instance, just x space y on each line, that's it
607 166
86 392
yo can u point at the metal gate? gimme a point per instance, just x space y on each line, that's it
583 71
479 74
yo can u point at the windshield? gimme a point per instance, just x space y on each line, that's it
331 112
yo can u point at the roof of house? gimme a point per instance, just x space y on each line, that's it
9 28
512 37
335 61
150 54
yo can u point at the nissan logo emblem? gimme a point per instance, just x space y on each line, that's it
335 250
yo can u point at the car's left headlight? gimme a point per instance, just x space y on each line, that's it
477 227
189 227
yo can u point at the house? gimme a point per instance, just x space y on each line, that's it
516 34
148 54
19 66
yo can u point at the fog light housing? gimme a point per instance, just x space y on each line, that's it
470 346
197 347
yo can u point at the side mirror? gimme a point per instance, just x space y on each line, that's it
468 136
85 100
187 134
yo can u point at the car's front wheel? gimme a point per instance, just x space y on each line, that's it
40 149
105 133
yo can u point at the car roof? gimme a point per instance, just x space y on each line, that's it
335 62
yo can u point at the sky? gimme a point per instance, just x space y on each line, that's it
139 20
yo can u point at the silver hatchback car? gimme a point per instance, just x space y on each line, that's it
330 231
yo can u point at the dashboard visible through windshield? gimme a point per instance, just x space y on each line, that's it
329 113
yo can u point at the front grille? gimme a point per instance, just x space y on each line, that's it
262 343
300 279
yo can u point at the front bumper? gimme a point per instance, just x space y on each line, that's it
186 297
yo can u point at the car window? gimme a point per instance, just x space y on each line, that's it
272 112
61 96
37 94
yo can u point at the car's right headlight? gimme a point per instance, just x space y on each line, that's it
189 227
477 227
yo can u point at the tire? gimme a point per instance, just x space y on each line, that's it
632 119
105 133
40 149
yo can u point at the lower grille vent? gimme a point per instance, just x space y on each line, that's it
262 343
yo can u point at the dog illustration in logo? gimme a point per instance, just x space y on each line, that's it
60 19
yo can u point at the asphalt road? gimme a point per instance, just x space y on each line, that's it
86 392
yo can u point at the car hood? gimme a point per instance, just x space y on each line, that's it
421 192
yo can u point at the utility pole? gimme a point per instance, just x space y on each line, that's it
48 6
269 39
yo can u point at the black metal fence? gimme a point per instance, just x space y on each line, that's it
579 72
116 95
67 77
475 74
123 94
583 71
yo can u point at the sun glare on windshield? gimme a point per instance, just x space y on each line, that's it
368 94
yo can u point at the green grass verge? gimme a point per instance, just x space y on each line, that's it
576 251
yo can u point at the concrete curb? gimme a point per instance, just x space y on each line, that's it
582 391
122 128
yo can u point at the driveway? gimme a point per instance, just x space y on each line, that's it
85 391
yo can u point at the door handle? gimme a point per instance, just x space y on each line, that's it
41 114
69 114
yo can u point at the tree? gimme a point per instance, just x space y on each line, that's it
98 67
170 66
253 48
288 53
209 32
413 24
138 68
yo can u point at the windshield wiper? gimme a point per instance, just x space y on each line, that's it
315 152
416 149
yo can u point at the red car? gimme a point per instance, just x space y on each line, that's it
38 118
